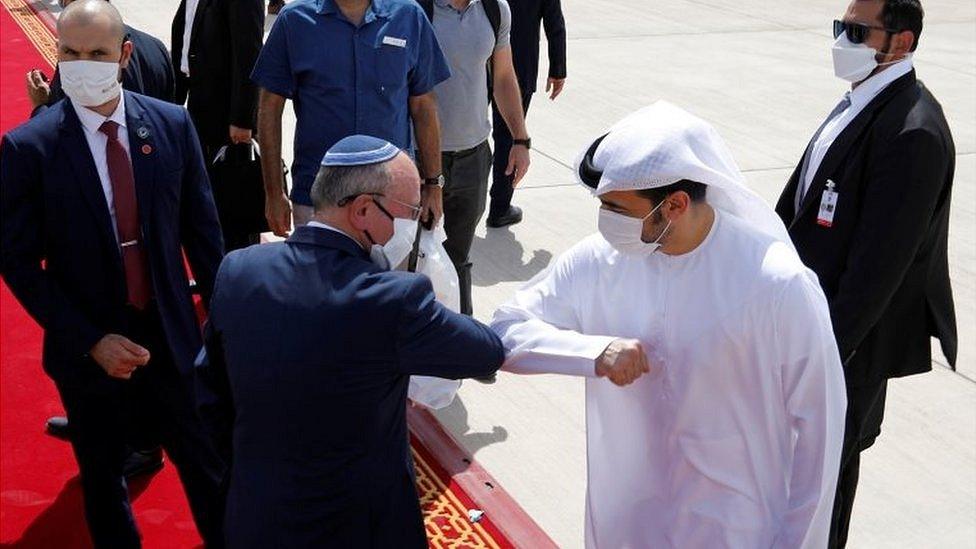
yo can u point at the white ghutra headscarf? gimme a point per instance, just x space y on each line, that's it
662 144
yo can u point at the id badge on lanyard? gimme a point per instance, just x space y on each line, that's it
828 205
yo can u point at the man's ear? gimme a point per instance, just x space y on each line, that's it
358 210
902 42
126 54
678 203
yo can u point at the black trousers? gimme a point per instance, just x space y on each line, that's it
234 237
501 184
865 412
465 187
155 404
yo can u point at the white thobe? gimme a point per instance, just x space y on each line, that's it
734 439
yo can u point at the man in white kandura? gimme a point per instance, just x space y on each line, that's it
733 438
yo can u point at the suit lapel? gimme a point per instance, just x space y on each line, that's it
80 156
142 151
197 18
786 206
842 145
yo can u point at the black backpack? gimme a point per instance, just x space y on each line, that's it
494 14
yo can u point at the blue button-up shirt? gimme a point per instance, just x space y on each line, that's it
347 80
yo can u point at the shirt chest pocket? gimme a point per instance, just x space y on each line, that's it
391 64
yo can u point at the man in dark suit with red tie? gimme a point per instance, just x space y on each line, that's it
868 210
100 195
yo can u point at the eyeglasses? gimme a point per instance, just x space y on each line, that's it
857 33
415 210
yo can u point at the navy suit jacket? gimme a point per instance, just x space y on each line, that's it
59 254
315 346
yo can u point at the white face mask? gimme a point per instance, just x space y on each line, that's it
90 83
625 233
396 250
854 62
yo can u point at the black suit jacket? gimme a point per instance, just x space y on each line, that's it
224 44
59 254
883 263
526 18
150 71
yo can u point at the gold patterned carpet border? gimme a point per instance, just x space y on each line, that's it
35 29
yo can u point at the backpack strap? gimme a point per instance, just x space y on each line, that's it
428 7
494 14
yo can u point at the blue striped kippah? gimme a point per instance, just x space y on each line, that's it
359 150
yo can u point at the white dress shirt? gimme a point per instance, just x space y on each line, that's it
191 12
860 97
91 121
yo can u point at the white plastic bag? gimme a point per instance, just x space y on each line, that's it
432 261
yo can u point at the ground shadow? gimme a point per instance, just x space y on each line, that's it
498 258
454 418
62 524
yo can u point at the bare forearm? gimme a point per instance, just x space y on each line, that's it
508 98
427 129
269 137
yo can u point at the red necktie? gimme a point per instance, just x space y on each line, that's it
134 260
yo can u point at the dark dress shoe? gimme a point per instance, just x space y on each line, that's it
58 428
511 216
487 380
142 462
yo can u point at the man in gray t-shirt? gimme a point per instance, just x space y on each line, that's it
467 39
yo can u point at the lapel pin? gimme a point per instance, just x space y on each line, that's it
146 149
142 132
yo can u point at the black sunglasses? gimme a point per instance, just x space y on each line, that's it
857 33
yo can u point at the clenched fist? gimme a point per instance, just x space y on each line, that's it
622 362
119 356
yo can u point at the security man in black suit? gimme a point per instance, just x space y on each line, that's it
526 18
868 210
213 60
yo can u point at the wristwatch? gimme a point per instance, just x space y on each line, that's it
435 181
527 142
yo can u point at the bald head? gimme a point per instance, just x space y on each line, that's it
93 13
92 30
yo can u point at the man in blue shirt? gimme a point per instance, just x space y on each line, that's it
350 67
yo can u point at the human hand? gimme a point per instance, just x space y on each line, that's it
38 89
622 362
432 204
119 356
518 163
277 210
239 135
554 87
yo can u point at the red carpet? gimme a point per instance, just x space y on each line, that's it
40 499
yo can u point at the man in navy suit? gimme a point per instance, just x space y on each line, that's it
100 195
311 343
149 72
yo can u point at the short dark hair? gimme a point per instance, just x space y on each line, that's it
694 190
902 15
